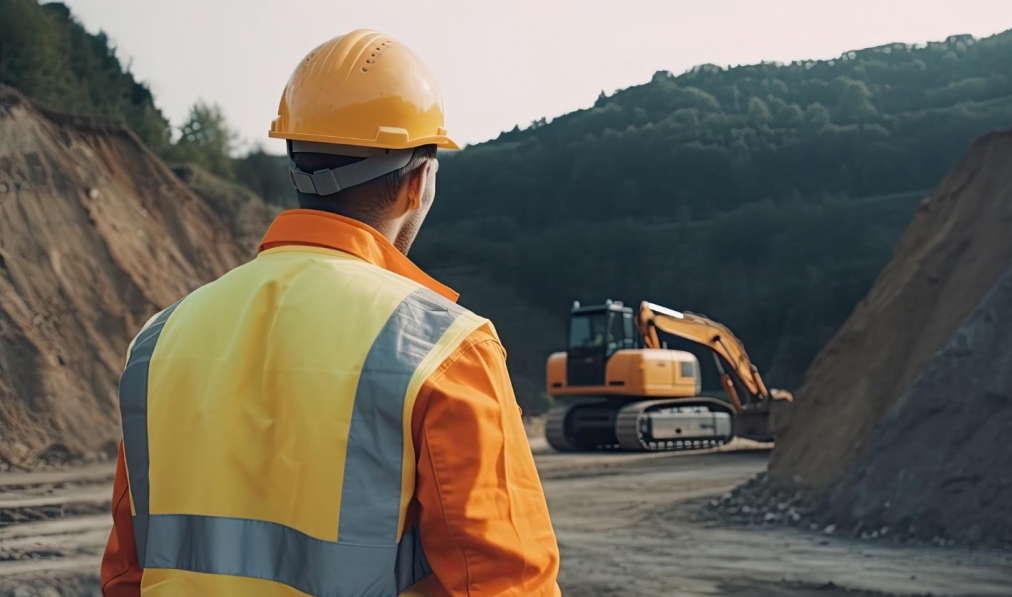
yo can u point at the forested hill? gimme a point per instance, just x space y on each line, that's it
767 196
879 120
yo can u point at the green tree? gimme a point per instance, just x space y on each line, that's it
855 101
206 139
791 116
817 116
758 113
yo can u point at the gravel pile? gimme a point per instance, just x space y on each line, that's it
765 501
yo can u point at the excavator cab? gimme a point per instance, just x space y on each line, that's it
595 333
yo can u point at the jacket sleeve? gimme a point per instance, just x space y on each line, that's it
483 517
121 572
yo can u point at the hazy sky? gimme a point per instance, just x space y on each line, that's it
499 63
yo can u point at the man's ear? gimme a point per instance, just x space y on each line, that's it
418 181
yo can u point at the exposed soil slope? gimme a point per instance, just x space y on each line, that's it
958 246
244 213
96 235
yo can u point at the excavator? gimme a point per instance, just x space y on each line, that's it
619 386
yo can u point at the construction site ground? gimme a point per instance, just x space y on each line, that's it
626 525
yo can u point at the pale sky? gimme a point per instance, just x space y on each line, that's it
498 63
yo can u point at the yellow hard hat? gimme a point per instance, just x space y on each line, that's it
363 89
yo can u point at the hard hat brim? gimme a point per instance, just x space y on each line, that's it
440 141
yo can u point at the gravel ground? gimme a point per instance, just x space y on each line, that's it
628 526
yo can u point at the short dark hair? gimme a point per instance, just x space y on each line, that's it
366 201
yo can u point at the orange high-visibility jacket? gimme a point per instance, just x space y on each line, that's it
275 444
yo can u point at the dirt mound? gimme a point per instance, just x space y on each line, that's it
244 212
941 462
958 246
937 469
96 235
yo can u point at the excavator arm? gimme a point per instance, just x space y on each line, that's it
712 335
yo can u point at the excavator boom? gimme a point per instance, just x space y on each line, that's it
711 334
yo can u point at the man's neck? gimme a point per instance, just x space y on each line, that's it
384 227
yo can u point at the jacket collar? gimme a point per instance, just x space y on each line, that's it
331 231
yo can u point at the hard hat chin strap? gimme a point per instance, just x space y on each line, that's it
332 180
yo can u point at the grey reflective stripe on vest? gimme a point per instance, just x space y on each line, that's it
133 405
270 551
371 498
367 560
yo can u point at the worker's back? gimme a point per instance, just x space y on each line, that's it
270 411
325 420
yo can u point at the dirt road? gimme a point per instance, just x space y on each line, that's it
626 529
625 525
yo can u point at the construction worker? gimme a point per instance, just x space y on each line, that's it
325 420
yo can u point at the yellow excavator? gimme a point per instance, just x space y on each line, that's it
619 386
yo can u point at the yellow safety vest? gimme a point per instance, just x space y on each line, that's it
267 429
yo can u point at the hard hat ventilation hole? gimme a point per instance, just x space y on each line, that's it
374 55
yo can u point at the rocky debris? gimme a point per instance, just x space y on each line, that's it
765 501
51 585
40 513
58 456
795 589
955 250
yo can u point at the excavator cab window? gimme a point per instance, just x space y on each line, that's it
596 333
588 330
616 332
629 327
621 331
588 347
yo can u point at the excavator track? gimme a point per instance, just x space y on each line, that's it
582 426
555 429
705 426
645 426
